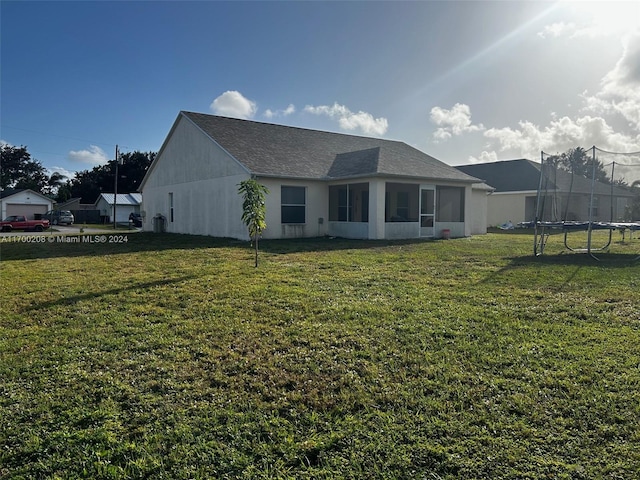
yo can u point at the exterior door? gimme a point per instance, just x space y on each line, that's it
427 212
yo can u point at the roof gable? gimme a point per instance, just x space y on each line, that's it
355 163
280 151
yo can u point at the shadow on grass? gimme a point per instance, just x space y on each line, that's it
66 301
58 246
328 244
572 263
612 260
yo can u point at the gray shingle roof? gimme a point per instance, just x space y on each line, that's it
524 175
280 151
506 176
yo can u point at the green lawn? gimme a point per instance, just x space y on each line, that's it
172 357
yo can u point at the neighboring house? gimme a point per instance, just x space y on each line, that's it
73 204
126 203
24 202
566 197
82 212
319 183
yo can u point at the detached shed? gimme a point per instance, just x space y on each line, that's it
24 202
126 203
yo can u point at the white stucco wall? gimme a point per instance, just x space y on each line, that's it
205 207
479 210
202 179
317 206
502 207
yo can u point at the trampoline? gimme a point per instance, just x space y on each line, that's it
587 196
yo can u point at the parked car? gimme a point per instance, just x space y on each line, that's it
59 217
20 222
135 219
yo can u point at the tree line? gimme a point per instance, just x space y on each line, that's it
18 170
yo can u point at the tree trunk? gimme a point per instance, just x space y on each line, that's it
256 244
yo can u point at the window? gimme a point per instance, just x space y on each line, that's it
293 204
349 203
171 207
450 204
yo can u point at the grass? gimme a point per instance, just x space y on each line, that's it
173 357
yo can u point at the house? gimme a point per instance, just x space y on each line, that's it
24 202
126 204
319 183
82 212
566 196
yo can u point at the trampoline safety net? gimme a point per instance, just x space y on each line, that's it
592 197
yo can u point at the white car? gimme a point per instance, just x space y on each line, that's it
59 217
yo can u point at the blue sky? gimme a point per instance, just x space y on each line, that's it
462 81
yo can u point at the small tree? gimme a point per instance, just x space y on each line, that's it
253 209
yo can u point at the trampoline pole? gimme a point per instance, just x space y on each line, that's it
537 218
593 186
613 171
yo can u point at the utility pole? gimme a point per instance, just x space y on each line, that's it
115 190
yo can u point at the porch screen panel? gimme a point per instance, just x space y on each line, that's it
450 204
401 202
293 204
349 203
338 203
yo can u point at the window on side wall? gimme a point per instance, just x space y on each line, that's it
293 204
450 204
171 207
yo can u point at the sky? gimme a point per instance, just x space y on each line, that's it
463 81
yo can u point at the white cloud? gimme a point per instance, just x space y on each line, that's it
61 170
348 120
484 157
233 104
620 92
94 156
595 19
280 113
442 134
571 30
558 29
453 122
561 135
